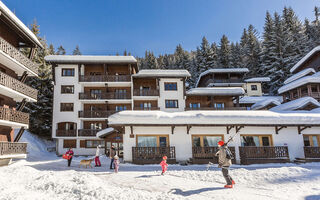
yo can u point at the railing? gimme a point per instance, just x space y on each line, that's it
66 133
96 114
209 153
8 148
104 78
107 95
88 132
149 155
17 55
312 152
138 92
213 108
315 95
227 81
143 108
14 115
264 154
18 86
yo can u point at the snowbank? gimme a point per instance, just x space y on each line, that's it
296 104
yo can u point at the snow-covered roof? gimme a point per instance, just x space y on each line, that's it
305 72
257 79
213 118
4 10
217 91
105 132
222 70
255 99
66 59
296 104
162 73
316 110
264 103
315 78
304 59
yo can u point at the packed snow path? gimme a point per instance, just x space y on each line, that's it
49 177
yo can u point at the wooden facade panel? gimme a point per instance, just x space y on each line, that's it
8 34
206 101
8 71
113 107
118 69
313 62
6 134
88 89
82 144
138 103
88 107
4 100
97 69
69 143
145 82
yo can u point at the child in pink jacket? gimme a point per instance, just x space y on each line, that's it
164 165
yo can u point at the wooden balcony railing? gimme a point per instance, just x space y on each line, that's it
66 133
312 152
138 92
17 55
315 95
13 115
11 148
143 108
208 153
213 108
104 96
104 78
88 132
96 114
249 155
152 155
18 86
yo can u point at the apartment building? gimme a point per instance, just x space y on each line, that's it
15 67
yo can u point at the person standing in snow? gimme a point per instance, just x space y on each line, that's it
224 160
116 163
70 155
164 164
96 159
112 154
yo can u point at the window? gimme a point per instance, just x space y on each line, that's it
121 93
96 93
153 141
254 87
171 103
66 107
67 72
69 143
194 106
67 89
145 106
314 88
94 143
70 126
170 86
206 140
311 140
120 108
219 105
96 126
256 140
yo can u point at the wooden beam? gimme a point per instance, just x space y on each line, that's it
229 129
24 76
188 129
172 129
131 132
278 128
19 135
238 128
301 128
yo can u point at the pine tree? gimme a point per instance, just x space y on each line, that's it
76 51
61 50
235 55
224 52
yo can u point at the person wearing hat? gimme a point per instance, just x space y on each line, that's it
97 159
116 163
164 164
224 160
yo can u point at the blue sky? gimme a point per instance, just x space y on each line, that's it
102 27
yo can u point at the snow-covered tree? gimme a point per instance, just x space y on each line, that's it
224 52
76 51
61 50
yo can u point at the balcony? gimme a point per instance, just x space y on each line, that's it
96 113
312 152
11 115
19 57
153 155
104 78
213 108
104 96
138 92
17 86
204 155
315 95
259 155
66 133
146 108
88 132
10 149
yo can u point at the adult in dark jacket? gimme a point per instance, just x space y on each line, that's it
112 154
70 155
224 160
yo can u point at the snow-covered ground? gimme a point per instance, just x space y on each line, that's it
46 176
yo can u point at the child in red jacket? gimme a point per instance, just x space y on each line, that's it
164 165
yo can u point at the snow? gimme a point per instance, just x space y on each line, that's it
218 91
4 10
162 73
264 103
296 104
89 59
316 110
258 79
308 71
255 99
104 132
304 59
223 117
315 78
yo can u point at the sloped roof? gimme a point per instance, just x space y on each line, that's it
264 103
87 59
217 91
305 72
162 73
305 58
257 79
315 78
255 99
296 104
